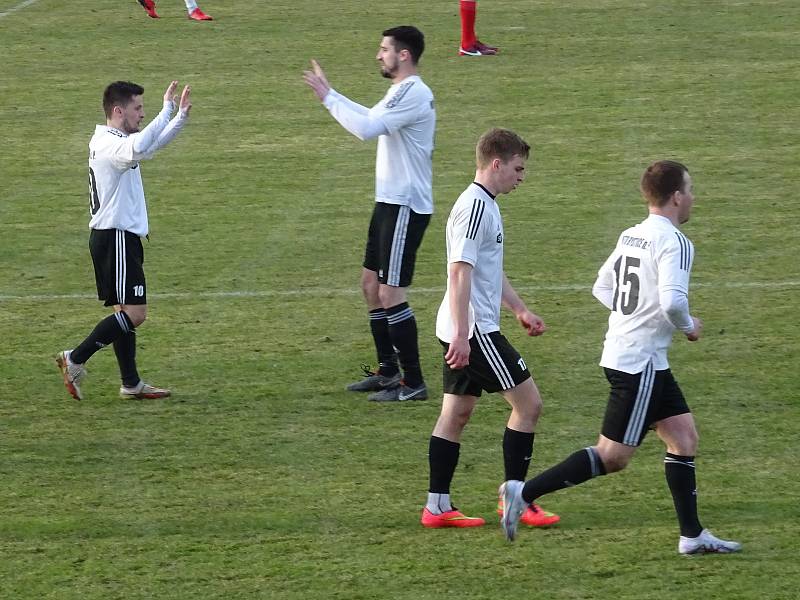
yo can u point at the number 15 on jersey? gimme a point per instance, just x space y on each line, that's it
626 284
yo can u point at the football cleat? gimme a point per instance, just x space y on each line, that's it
707 543
71 373
476 50
451 518
486 47
401 393
374 382
534 516
199 15
150 7
513 507
143 391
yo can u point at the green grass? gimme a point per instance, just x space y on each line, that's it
261 478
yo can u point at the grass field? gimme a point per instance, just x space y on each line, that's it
262 478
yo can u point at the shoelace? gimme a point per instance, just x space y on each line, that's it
367 372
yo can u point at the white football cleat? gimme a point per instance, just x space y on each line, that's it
143 391
707 543
513 507
71 373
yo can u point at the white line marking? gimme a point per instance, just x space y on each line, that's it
355 291
19 6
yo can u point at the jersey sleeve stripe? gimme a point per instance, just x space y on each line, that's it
686 251
399 94
475 219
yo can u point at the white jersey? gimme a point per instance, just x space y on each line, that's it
403 167
475 236
116 194
646 277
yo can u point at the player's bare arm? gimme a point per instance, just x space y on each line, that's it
460 273
531 322
317 80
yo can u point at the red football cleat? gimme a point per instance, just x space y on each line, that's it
476 50
199 15
534 516
486 47
150 7
451 518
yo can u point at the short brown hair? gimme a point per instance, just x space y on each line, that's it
662 179
500 143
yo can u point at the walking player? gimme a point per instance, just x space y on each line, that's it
477 356
118 224
645 285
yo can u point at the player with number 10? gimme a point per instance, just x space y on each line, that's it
118 222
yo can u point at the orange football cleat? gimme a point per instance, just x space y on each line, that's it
451 518
534 516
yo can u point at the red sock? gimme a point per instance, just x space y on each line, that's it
468 9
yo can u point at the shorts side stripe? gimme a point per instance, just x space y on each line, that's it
398 246
639 412
120 275
495 361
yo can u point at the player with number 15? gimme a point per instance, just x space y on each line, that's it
645 284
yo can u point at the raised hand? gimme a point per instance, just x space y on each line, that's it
169 95
317 80
186 101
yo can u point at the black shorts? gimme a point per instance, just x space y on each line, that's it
118 257
395 234
637 401
494 366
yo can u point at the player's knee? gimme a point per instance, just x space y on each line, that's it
455 420
613 462
688 443
391 296
136 314
370 290
529 412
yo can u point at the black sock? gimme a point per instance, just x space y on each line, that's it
442 458
576 468
403 329
125 349
104 333
679 471
387 360
517 452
